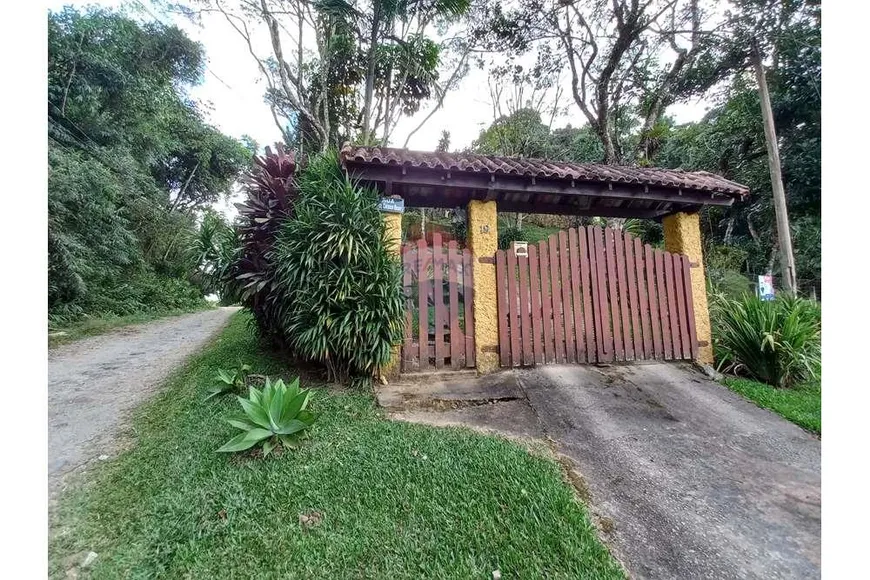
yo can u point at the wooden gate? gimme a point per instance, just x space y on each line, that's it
592 295
439 324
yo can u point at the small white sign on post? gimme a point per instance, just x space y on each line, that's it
765 287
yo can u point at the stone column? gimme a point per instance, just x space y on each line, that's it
393 225
483 243
683 236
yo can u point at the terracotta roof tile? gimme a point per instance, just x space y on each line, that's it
669 178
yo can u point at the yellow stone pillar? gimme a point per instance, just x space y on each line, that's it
683 236
483 243
393 226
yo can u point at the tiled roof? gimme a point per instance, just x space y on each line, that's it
528 167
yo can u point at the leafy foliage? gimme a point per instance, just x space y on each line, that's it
275 415
229 381
271 191
130 163
339 288
777 341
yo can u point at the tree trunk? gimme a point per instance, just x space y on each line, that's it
782 226
370 73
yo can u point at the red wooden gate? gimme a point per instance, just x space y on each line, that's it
439 324
591 295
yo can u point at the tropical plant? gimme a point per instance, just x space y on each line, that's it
275 415
271 192
340 288
229 380
777 341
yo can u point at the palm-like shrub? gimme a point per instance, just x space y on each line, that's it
277 414
340 286
777 342
271 191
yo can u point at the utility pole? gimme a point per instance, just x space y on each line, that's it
786 254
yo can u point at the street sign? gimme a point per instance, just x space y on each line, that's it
391 205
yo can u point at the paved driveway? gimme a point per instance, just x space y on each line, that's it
697 481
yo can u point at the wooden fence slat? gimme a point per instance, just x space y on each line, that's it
457 348
681 305
634 307
621 281
408 354
468 303
662 292
556 296
438 296
602 307
567 309
690 307
643 299
528 356
423 302
535 282
587 285
610 251
672 306
513 304
504 344
546 302
576 283
654 312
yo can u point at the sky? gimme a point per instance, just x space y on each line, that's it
232 90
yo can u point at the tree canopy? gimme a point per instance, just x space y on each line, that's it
131 163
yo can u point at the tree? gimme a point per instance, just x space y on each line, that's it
624 58
343 70
131 162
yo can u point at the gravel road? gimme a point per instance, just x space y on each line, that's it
95 382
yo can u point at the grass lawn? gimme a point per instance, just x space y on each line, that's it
535 233
801 405
390 499
94 325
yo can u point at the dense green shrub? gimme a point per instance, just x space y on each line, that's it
730 283
777 341
340 290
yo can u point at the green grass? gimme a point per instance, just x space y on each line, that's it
101 324
801 405
398 500
535 233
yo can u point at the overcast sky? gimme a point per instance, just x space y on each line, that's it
233 91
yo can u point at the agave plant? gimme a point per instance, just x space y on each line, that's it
275 415
229 381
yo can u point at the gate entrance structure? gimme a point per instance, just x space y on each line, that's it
592 295
485 184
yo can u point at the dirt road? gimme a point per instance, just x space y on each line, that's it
94 383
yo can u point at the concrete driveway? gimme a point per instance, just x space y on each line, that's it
690 479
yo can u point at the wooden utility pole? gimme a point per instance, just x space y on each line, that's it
786 254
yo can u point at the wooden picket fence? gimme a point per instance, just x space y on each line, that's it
439 323
591 295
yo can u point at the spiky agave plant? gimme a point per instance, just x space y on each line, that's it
275 415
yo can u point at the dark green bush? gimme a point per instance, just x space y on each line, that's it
340 292
777 342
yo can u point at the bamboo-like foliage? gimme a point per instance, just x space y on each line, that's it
340 286
777 342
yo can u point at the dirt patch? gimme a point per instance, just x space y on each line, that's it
94 383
